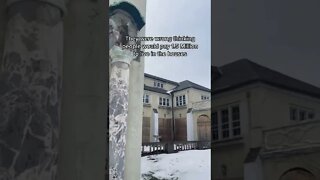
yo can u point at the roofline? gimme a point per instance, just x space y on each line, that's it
146 88
191 87
160 79
265 82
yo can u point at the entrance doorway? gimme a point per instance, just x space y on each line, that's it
204 128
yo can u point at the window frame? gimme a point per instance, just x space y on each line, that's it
301 113
158 84
164 102
181 100
146 99
226 120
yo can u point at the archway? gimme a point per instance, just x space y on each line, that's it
204 128
297 174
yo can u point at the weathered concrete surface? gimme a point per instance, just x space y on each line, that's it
118 115
85 92
134 125
2 29
30 91
125 125
60 4
135 113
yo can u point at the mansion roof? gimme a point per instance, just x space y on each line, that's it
160 79
243 72
155 89
188 84
179 86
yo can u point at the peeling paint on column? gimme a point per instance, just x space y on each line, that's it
30 91
118 110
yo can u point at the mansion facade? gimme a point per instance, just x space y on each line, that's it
175 111
266 125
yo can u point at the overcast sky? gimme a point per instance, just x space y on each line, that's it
181 18
282 35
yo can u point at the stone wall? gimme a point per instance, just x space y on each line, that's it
85 92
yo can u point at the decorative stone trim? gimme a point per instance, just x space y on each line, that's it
118 54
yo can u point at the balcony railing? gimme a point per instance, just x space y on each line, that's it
294 138
201 105
172 147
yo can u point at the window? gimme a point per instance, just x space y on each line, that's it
146 98
297 113
164 101
293 114
302 115
158 84
181 100
226 122
204 97
236 121
177 101
215 126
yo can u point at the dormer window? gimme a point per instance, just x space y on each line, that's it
203 97
158 84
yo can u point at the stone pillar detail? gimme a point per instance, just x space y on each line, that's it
30 91
118 110
155 119
190 127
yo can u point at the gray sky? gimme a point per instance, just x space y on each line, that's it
282 35
181 18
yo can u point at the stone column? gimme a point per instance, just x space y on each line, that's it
253 169
190 128
135 114
118 109
30 90
155 119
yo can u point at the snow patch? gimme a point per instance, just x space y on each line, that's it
184 165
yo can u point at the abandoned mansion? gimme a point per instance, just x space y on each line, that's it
175 111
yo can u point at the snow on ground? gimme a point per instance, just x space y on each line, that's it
184 165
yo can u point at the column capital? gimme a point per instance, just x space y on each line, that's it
119 54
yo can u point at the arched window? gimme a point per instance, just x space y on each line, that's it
297 174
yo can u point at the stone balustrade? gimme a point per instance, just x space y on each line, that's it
172 147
